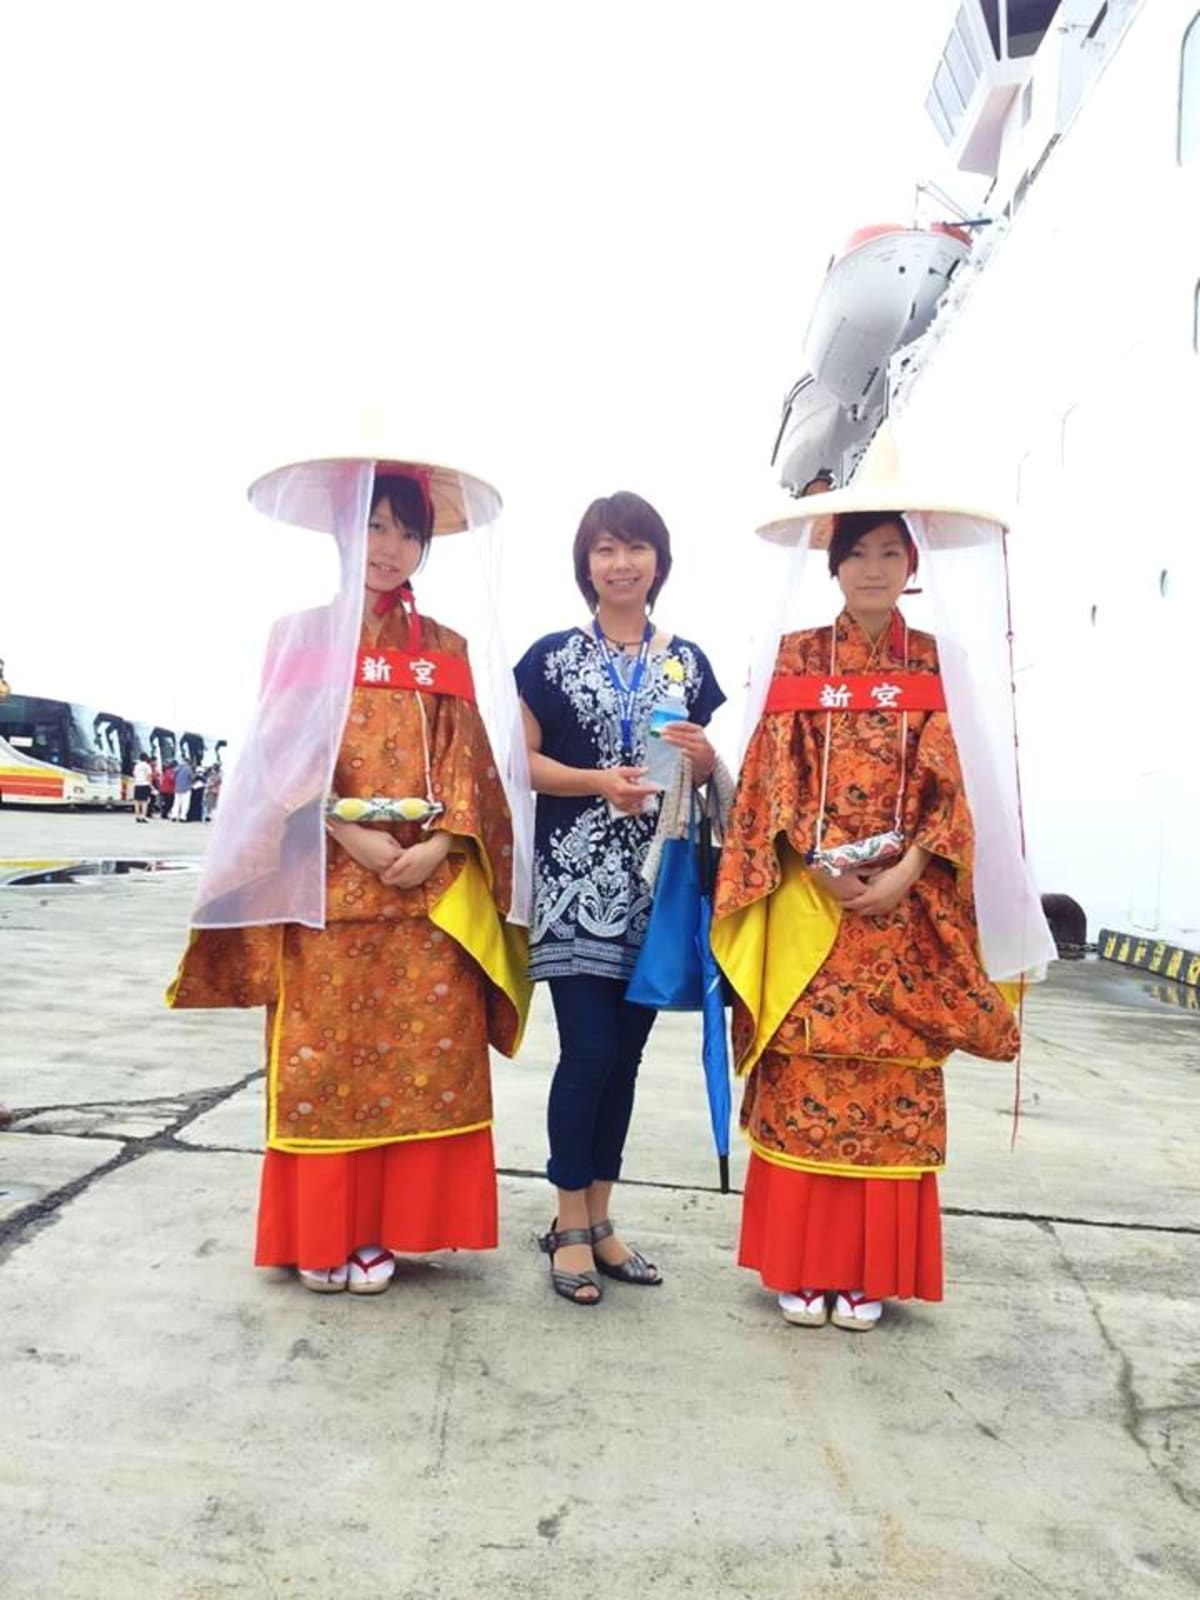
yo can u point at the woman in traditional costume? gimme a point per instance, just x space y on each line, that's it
871 895
357 886
587 694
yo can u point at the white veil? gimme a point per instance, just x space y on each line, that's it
964 573
266 860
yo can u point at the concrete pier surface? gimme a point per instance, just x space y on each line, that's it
176 1424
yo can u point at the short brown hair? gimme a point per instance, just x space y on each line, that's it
627 517
409 503
852 526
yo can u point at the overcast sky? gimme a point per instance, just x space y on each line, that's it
574 247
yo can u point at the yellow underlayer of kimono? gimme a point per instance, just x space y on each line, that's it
467 914
771 949
834 1169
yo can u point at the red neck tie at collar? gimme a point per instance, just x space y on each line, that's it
402 596
393 597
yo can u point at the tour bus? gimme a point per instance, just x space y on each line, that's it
57 752
52 752
136 738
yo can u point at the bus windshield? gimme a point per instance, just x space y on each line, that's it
52 730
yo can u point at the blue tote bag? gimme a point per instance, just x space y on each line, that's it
668 975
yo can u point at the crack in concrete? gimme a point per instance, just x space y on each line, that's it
443 1400
1042 1218
984 1428
29 1220
77 1133
166 1140
1031 1575
1133 1413
188 1096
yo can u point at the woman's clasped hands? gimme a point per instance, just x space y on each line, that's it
877 893
395 865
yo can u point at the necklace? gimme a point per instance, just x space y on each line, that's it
896 835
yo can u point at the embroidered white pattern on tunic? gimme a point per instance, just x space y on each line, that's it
590 902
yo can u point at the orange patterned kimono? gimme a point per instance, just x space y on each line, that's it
841 1021
378 1082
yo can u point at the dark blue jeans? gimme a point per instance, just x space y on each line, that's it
601 1037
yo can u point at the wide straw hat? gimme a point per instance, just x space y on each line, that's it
880 484
312 488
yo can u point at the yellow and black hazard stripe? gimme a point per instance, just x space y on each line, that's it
1151 955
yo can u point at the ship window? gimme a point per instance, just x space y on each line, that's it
963 29
991 15
1189 92
1027 102
1028 21
960 68
946 90
948 102
939 118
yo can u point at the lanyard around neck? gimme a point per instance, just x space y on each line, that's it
626 693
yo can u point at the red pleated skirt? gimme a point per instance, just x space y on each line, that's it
412 1197
809 1230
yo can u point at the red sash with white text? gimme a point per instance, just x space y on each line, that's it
431 670
866 691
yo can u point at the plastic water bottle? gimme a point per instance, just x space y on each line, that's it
662 757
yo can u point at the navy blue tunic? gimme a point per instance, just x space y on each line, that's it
590 902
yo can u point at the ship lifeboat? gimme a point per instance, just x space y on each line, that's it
879 293
817 434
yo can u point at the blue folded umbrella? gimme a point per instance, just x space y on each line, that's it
715 1050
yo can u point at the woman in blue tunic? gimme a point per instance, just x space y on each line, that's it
587 694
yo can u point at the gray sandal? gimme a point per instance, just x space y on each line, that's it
635 1270
569 1284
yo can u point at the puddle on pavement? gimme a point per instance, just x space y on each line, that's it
44 874
1121 985
1174 994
